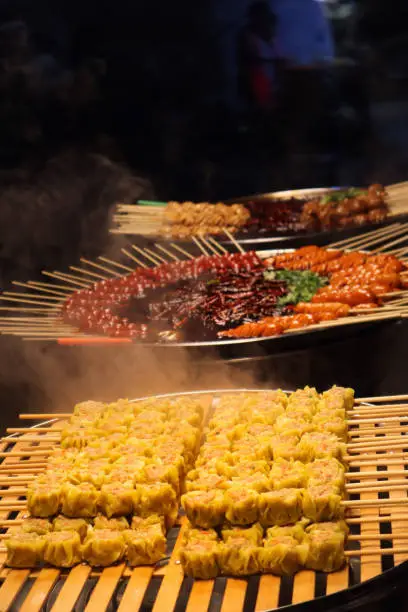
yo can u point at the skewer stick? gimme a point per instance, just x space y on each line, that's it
382 398
169 253
371 460
387 246
363 237
25 301
377 551
15 492
88 262
33 295
386 235
60 294
75 278
30 429
181 250
368 439
45 415
374 536
156 255
378 447
364 408
376 488
377 519
359 503
27 453
217 244
89 273
31 439
25 309
375 474
135 259
200 246
63 288
155 261
209 246
234 242
59 276
116 263
15 480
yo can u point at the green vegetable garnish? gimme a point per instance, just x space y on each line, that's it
301 284
341 194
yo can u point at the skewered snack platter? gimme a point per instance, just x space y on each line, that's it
304 212
263 493
237 295
265 481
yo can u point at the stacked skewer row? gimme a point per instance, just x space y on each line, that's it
187 219
376 512
36 313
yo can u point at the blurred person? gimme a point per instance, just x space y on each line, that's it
19 56
257 57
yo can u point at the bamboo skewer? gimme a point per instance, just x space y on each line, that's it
217 244
99 266
200 246
168 253
62 288
348 242
35 296
375 474
116 263
155 261
60 294
397 241
89 273
234 242
133 258
6 298
381 398
156 255
60 276
181 250
376 551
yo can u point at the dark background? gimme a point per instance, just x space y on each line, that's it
137 107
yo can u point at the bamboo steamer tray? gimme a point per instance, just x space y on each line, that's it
377 548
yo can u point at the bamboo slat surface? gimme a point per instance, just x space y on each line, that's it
164 588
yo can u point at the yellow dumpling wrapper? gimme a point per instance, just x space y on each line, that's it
280 507
325 548
238 557
62 523
63 548
43 500
146 546
282 555
253 534
204 508
322 503
116 499
25 550
79 501
103 547
119 523
199 559
35 525
287 474
241 506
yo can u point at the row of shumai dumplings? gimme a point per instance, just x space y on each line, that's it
274 460
66 542
119 461
122 459
241 551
